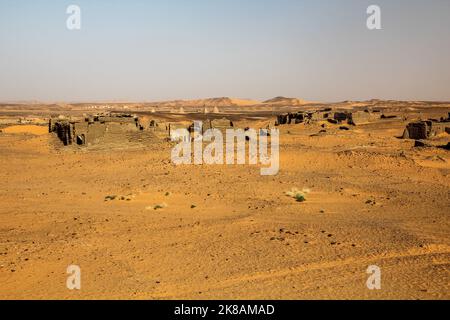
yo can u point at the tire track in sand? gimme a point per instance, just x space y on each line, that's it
412 252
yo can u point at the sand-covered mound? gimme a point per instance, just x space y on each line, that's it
31 129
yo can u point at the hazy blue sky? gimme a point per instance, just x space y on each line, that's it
170 49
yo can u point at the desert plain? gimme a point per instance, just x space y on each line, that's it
141 227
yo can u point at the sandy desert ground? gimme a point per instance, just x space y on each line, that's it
227 232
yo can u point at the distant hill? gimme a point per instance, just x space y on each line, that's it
210 102
285 101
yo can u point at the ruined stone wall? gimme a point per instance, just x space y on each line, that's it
358 117
438 128
64 131
94 129
290 118
416 130
425 129
341 116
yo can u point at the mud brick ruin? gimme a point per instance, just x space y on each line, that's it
352 118
359 117
220 124
95 129
195 129
288 118
340 117
426 129
303 117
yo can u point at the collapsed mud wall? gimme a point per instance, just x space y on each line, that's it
352 118
95 129
359 117
64 131
290 118
425 129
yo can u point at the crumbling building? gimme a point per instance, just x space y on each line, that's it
425 129
94 128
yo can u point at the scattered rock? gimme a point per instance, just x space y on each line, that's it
157 206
